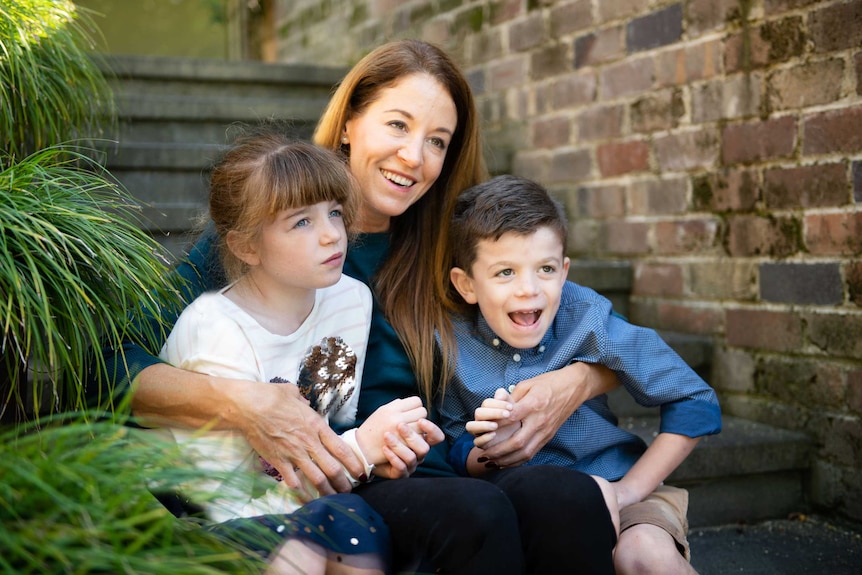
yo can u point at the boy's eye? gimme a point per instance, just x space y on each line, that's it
505 273
548 269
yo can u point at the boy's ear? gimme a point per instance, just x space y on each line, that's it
464 284
566 263
241 248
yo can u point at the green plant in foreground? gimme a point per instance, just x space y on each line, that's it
76 271
51 91
73 499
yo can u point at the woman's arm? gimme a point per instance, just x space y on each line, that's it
275 419
543 403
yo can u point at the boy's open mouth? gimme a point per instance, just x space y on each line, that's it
525 318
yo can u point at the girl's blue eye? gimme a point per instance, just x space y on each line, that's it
302 223
335 213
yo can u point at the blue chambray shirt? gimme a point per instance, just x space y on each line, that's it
585 329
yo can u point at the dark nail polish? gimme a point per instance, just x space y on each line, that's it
491 465
363 478
482 459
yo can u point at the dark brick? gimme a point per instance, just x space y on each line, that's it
835 131
802 381
772 43
619 158
549 61
857 182
814 284
836 27
653 30
806 187
761 329
838 335
854 390
608 201
858 60
756 141
853 273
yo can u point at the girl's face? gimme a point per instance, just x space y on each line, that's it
300 249
398 145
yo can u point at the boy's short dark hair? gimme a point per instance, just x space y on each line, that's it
502 204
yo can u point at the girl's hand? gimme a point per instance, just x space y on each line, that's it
406 450
382 428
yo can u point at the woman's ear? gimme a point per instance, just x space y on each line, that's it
464 284
242 248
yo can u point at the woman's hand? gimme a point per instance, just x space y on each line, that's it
542 404
274 418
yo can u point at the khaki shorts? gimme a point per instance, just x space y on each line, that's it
666 507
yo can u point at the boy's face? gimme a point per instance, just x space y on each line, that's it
516 281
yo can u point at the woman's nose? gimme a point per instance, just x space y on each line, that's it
411 153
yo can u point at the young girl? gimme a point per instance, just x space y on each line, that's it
281 210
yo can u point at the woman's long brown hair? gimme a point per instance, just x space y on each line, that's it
413 283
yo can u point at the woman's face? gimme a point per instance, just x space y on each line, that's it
398 145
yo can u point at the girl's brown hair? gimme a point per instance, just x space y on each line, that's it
266 171
412 284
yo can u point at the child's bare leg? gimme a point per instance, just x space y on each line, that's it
610 496
298 557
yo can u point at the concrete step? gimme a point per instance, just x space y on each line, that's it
749 472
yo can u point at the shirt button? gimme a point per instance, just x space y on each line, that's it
516 357
495 342
541 349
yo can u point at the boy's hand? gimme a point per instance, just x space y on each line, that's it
490 426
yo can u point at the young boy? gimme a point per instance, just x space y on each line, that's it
522 318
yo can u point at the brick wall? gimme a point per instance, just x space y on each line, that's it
716 145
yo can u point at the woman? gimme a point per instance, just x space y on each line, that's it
405 118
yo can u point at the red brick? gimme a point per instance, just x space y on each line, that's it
626 238
572 90
726 190
806 85
834 234
836 27
599 46
806 187
569 166
620 158
686 236
687 150
757 236
570 17
628 77
756 141
600 123
853 274
658 197
551 132
507 73
835 131
527 33
760 329
689 319
608 201
657 279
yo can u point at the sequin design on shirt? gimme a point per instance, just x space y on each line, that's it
327 379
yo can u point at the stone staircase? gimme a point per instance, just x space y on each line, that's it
748 472
175 115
